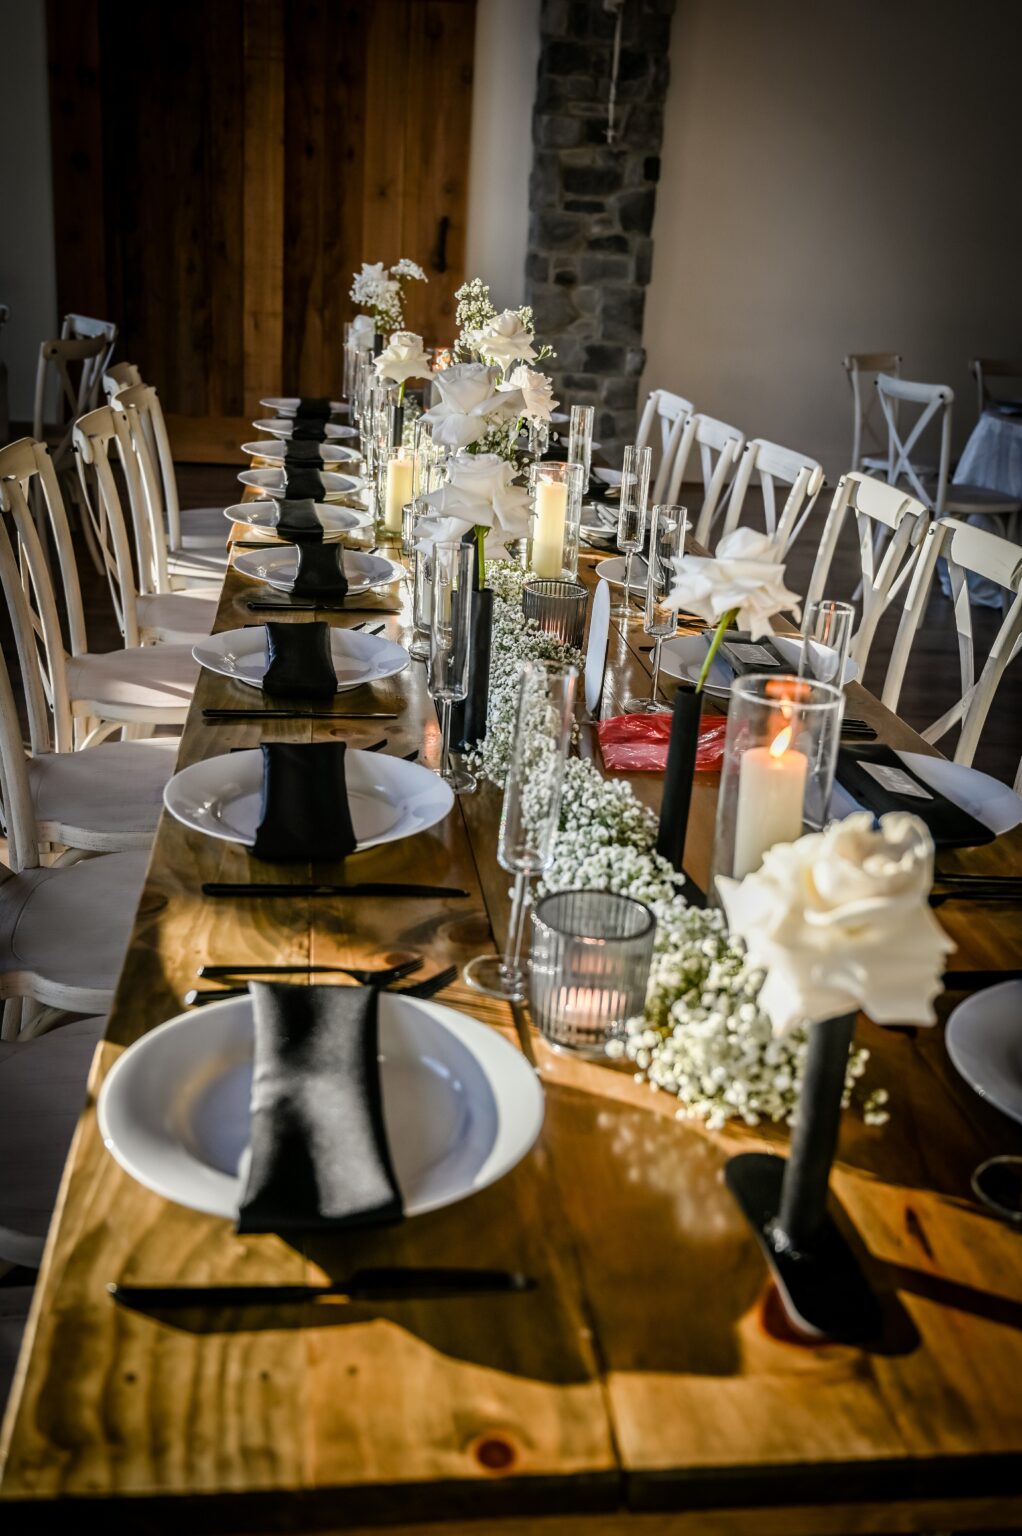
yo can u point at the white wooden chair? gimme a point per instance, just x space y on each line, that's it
966 549
120 376
145 614
775 466
76 363
667 413
89 694
902 519
869 448
720 447
935 402
190 545
5 412
983 369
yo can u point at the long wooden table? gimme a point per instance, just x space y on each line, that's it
647 1384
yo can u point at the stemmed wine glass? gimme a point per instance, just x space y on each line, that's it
666 543
532 807
450 638
631 517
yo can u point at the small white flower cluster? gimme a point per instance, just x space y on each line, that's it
474 311
377 290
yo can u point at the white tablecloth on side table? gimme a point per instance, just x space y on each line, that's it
992 458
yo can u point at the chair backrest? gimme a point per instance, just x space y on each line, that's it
867 435
720 447
16 809
985 368
775 466
120 376
934 402
80 327
85 353
141 405
966 550
26 467
94 435
887 569
669 413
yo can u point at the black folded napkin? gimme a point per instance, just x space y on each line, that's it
877 778
302 484
302 455
307 430
321 572
296 520
313 408
305 816
300 663
319 1158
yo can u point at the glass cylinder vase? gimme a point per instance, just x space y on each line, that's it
780 752
555 491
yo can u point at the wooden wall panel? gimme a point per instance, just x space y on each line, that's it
221 170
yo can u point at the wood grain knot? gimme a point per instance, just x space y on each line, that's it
494 1453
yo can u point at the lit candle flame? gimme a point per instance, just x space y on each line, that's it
781 742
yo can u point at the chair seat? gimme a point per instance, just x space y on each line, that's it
42 1091
978 498
192 567
170 615
203 527
64 931
104 798
156 680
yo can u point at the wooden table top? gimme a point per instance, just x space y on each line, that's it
647 1383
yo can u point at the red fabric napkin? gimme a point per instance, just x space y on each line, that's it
638 743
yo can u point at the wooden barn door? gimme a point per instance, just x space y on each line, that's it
220 170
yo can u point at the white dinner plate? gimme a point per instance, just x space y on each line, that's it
683 658
357 657
287 405
613 571
984 1041
279 566
273 450
608 476
596 649
271 482
599 524
389 798
993 804
460 1105
261 518
283 426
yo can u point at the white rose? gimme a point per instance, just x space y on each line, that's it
479 493
746 574
505 340
403 359
470 405
537 392
840 920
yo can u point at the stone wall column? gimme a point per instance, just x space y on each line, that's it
591 202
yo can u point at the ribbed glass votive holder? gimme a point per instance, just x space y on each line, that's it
558 607
591 953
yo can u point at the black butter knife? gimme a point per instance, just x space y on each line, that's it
363 1285
363 888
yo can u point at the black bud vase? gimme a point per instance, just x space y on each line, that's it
468 716
678 776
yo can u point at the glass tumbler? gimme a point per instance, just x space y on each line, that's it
660 619
631 517
591 953
826 635
531 809
450 640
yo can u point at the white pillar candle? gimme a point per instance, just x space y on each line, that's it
771 795
399 490
548 530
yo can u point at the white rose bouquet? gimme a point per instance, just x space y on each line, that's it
379 292
503 343
480 493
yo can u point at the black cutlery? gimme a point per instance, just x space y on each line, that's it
361 888
366 976
261 606
198 997
363 1285
975 981
214 716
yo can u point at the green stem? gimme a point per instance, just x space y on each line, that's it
401 392
480 557
718 635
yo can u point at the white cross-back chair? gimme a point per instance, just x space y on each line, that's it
775 467
190 545
983 369
935 403
76 362
719 449
885 572
89 694
120 376
144 613
869 445
667 413
966 550
5 413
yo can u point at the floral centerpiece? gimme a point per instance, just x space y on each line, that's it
379 292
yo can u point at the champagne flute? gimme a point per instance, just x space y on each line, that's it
631 517
660 619
450 638
580 440
531 810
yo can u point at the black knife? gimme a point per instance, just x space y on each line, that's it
362 888
364 1285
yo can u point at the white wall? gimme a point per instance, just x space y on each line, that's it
503 91
835 178
28 281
